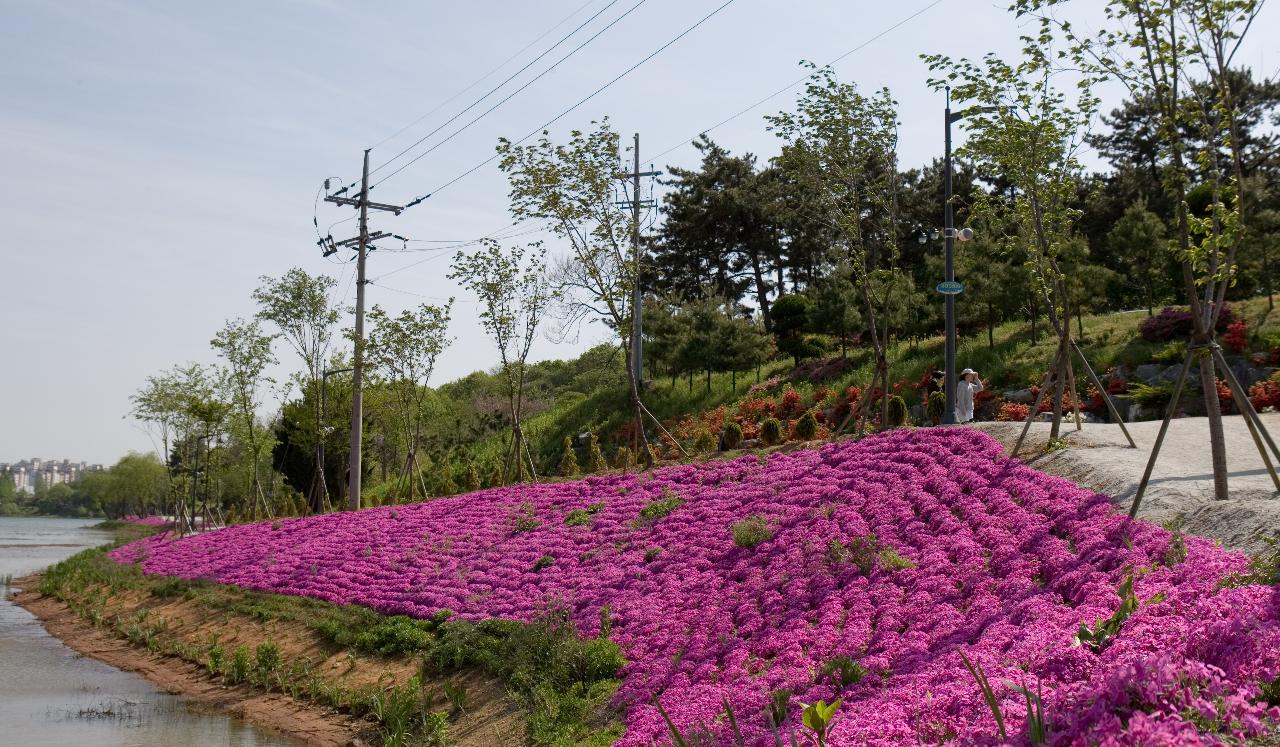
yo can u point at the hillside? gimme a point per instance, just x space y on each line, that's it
860 570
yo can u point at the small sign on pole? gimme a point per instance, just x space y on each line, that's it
951 287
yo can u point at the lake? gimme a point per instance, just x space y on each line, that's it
50 695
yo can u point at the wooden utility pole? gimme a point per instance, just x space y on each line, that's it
361 243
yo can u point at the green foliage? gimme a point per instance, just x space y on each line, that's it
732 435
751 531
1151 395
456 694
819 717
860 552
546 561
596 463
988 695
935 407
1172 353
771 431
216 659
582 516
241 666
623 460
806 427
267 662
1101 634
472 480
656 510
569 459
890 560
1264 568
843 672
897 411
652 554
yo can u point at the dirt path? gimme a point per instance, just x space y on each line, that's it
1099 458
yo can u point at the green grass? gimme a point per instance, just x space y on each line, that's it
563 681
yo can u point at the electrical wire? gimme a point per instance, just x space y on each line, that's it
584 100
504 100
800 80
496 88
484 77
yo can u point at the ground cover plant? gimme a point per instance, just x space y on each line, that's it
888 562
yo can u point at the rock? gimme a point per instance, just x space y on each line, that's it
1148 372
750 443
1045 417
1124 406
1021 396
1170 375
1246 374
1120 372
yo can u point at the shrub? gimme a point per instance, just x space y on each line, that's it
705 442
568 460
267 660
792 403
1265 394
1237 336
771 431
732 435
935 406
595 457
843 672
652 554
1172 323
1152 395
1013 412
473 478
751 531
622 460
897 411
806 427
241 666
582 516
1174 352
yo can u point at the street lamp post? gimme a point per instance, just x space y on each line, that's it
949 239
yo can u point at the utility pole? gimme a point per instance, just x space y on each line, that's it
637 305
948 231
357 372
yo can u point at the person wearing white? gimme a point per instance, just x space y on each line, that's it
969 385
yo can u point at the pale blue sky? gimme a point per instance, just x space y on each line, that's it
160 156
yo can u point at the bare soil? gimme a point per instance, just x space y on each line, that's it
491 719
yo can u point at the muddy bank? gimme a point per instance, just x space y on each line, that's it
168 641
310 723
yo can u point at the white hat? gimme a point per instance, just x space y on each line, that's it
967 371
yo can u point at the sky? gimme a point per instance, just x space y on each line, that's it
160 157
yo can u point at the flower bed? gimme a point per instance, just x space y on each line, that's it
899 552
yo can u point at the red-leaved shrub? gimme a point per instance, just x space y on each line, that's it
1013 412
1236 337
1174 323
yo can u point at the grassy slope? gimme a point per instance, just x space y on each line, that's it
1013 361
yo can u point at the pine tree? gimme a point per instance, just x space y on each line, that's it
495 476
569 461
595 458
623 460
473 478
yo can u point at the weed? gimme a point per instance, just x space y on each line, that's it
652 554
890 560
267 662
860 552
456 694
1264 568
843 672
988 695
241 666
546 561
1103 631
1055 444
658 509
819 717
524 519
751 531
216 657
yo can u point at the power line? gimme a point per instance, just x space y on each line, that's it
486 76
800 80
505 99
584 100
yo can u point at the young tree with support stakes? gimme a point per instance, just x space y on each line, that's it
571 187
298 304
403 350
514 293
1177 56
842 147
247 352
1028 131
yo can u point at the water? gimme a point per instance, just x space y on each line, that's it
50 695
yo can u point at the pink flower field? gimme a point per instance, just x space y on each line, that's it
900 552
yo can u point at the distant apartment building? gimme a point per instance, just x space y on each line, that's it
30 473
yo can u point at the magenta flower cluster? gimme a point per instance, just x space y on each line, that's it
1004 564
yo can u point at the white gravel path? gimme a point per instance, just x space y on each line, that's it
1099 458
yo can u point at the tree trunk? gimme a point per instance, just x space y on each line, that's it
991 328
1217 439
708 380
762 289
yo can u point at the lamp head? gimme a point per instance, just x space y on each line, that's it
965 234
